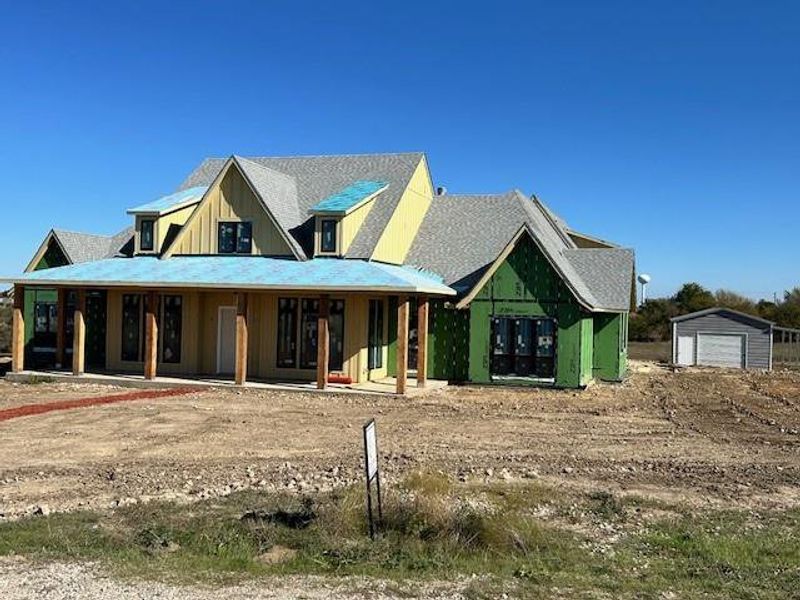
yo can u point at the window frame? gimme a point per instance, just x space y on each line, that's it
151 221
323 222
291 308
378 340
162 330
139 333
237 237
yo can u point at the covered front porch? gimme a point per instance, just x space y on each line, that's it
337 337
385 386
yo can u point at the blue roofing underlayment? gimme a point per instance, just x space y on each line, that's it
241 272
171 202
350 197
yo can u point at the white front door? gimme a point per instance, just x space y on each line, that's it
226 340
686 350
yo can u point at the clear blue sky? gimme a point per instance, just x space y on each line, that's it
671 127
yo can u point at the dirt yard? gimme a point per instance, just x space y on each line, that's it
706 438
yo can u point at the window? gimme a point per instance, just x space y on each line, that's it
623 332
308 333
336 332
235 238
328 235
132 320
375 335
46 318
172 329
309 326
146 236
287 332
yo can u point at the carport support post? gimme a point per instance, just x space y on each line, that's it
323 341
18 331
402 344
241 338
422 341
151 337
79 336
61 326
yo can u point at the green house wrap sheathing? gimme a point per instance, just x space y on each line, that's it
588 345
610 346
526 285
53 257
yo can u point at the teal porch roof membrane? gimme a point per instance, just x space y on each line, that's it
172 202
349 198
241 272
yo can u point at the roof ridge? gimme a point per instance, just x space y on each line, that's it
353 154
99 235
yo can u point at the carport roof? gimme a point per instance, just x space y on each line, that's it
719 310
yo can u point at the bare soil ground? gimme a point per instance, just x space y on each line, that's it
705 438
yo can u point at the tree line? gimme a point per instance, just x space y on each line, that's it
651 321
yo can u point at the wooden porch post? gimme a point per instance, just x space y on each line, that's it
402 344
79 337
422 341
241 338
18 330
323 341
151 336
61 327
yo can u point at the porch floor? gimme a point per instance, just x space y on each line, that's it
385 386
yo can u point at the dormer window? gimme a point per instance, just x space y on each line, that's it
235 238
328 236
147 235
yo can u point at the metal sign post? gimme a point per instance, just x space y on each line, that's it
372 473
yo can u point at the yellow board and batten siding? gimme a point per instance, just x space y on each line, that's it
230 199
201 328
399 234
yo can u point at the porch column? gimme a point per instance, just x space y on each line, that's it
61 327
151 336
241 338
18 330
323 341
79 336
402 344
422 341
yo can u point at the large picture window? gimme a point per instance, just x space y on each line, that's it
235 237
328 235
287 332
172 329
146 235
132 336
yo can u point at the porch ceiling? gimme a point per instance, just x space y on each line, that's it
241 272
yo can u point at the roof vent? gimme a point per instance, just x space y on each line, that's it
441 191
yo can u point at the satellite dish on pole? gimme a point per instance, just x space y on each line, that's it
643 279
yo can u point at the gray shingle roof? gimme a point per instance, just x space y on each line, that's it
462 235
607 272
279 193
86 247
318 177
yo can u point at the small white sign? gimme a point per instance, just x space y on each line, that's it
371 447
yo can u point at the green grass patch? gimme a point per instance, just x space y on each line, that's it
434 529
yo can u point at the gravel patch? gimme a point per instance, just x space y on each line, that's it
23 580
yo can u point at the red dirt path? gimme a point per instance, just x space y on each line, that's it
38 409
